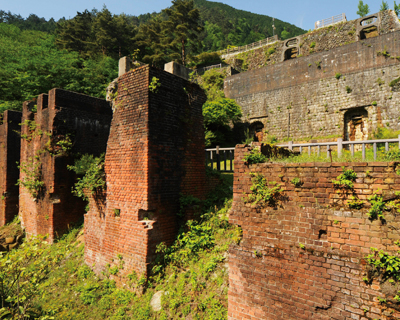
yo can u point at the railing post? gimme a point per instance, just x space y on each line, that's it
339 147
290 145
374 150
399 140
363 151
328 152
218 159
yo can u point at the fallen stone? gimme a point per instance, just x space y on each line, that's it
155 302
10 240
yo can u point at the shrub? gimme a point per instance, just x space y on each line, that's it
93 179
254 156
338 75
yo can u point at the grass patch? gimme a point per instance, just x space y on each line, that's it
392 155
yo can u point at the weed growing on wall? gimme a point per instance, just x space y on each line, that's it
33 130
60 145
32 179
355 203
345 180
296 182
384 266
377 207
261 193
93 180
154 85
254 156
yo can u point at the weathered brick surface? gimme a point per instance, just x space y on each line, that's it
297 99
86 120
9 173
155 152
323 280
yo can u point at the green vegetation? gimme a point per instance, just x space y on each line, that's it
91 170
32 176
254 156
394 82
338 75
363 9
385 267
81 54
296 182
220 113
261 193
355 203
345 180
32 64
377 207
384 6
348 89
154 85
43 281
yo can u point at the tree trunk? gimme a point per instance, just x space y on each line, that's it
183 52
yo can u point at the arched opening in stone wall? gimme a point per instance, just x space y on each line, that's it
291 53
369 32
369 21
256 131
292 42
356 125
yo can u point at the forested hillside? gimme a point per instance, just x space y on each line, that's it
81 54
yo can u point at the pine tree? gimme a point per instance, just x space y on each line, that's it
182 28
151 42
396 8
363 9
76 34
384 6
105 30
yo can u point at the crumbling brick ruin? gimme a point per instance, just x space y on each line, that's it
65 125
10 143
303 257
155 152
322 92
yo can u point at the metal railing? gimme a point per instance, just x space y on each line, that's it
330 21
340 144
217 156
215 66
250 46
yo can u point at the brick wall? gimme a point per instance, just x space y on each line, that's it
298 99
155 152
60 114
272 277
9 156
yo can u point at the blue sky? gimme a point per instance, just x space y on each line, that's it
302 13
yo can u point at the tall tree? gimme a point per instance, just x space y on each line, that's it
363 9
384 6
104 28
151 42
76 34
182 28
